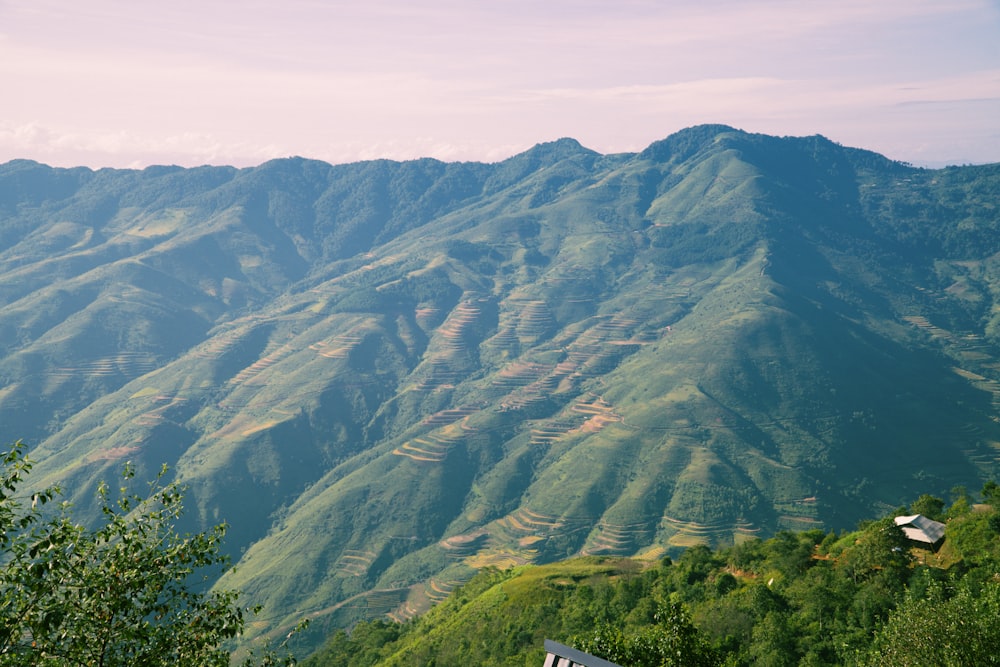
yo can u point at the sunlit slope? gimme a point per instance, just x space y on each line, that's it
631 400
386 376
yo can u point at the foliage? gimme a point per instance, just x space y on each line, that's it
975 534
809 598
928 505
957 631
123 593
670 641
880 550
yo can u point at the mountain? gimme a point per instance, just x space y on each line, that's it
388 375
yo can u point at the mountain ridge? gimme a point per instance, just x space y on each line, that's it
388 375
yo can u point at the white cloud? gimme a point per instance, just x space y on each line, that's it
61 147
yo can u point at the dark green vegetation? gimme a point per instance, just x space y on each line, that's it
121 594
386 376
811 598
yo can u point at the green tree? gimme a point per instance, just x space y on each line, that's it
930 506
773 643
991 494
671 640
974 536
881 548
957 632
961 502
122 593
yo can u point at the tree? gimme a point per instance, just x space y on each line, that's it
974 536
930 506
961 503
991 494
671 640
880 548
954 632
122 593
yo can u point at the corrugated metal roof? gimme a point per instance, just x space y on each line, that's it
559 655
921 529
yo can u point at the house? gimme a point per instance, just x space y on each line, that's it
558 655
920 530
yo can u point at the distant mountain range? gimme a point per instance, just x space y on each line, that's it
387 375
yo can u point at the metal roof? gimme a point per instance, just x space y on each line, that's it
559 655
921 529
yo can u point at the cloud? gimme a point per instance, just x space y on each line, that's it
194 82
125 148
770 92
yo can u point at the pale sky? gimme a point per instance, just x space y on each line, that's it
129 83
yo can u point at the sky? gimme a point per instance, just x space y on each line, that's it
130 83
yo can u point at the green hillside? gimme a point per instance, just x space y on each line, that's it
388 376
810 598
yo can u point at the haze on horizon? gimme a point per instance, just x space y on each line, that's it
123 84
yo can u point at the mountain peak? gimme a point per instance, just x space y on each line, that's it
550 152
541 156
685 143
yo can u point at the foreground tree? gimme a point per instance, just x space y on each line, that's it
961 631
118 594
670 641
